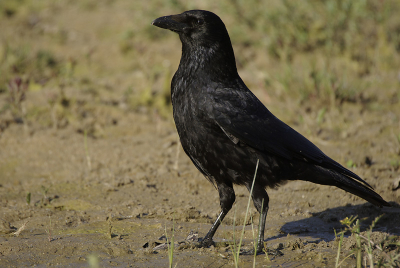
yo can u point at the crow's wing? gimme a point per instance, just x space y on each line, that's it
243 117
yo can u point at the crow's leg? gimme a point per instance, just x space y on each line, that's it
226 199
261 201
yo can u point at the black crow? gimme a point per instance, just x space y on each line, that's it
225 129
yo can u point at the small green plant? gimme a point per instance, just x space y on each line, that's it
350 164
28 198
365 243
339 249
44 191
354 228
170 244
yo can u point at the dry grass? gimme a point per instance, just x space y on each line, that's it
83 59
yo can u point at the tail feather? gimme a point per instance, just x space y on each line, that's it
360 190
347 183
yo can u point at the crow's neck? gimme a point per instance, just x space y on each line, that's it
216 63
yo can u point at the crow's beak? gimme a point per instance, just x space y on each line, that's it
171 23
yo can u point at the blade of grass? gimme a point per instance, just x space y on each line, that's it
339 248
255 239
358 240
89 162
170 243
247 210
234 246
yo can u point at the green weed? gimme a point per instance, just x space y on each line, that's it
28 198
350 164
171 245
365 246
236 247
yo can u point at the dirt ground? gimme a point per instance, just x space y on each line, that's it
86 181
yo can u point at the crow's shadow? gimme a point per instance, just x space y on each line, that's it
321 225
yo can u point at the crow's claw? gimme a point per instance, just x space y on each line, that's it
205 243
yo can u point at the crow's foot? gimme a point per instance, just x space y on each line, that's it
205 243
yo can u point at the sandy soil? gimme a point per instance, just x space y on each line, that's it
139 185
108 197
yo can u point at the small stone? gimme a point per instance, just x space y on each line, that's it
396 184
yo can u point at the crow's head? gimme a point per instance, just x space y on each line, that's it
197 27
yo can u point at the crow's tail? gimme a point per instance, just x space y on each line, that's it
355 186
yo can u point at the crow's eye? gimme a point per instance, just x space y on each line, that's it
200 21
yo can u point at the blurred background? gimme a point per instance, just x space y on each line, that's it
88 145
79 63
